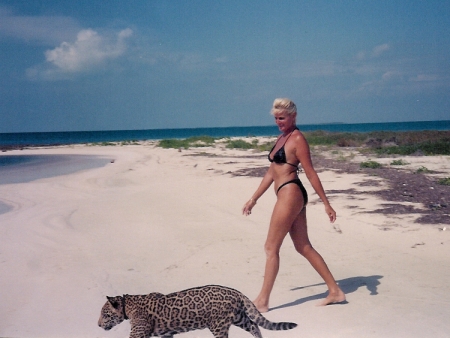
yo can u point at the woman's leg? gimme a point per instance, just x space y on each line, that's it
299 235
286 209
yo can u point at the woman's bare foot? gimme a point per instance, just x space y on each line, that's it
261 306
333 298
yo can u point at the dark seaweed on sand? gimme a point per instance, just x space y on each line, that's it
403 186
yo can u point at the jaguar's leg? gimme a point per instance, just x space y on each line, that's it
221 330
249 326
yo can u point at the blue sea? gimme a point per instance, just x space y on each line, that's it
72 137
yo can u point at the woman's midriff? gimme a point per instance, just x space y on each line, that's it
282 175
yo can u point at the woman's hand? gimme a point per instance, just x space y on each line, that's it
330 212
247 209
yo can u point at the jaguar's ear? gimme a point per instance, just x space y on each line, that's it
113 301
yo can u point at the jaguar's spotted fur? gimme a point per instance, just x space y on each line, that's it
214 307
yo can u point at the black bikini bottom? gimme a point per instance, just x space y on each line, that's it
300 185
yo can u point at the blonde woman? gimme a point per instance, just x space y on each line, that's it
289 214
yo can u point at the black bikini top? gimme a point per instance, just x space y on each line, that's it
280 155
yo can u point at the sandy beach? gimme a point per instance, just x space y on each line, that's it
162 220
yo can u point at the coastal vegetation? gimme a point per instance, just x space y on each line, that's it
242 144
380 143
387 142
423 170
195 141
370 165
444 181
399 162
108 143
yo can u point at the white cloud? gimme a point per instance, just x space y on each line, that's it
89 50
361 55
78 50
376 52
424 78
40 29
380 49
391 75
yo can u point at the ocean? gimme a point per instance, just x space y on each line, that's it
76 137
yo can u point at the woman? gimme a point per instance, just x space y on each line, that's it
289 213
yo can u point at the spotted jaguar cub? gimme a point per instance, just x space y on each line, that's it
214 307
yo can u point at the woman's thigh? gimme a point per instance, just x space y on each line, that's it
299 232
287 209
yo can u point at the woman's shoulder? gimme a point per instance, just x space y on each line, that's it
297 135
299 141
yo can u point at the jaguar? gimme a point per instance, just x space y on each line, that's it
212 307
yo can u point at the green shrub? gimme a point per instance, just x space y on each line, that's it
266 146
195 141
422 170
321 137
128 142
399 162
173 143
201 139
441 147
370 164
240 144
444 181
435 148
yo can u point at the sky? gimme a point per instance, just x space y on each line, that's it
82 65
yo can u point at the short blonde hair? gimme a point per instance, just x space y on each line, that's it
281 105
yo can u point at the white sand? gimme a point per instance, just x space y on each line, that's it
157 220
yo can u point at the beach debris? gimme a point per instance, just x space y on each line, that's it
437 206
417 244
443 229
337 229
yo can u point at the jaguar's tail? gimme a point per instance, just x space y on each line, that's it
256 316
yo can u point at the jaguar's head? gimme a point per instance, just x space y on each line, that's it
113 313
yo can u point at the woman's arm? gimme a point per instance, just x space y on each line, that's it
304 156
266 182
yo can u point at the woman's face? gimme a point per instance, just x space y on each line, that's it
285 121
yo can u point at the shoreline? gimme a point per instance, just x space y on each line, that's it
163 220
21 168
